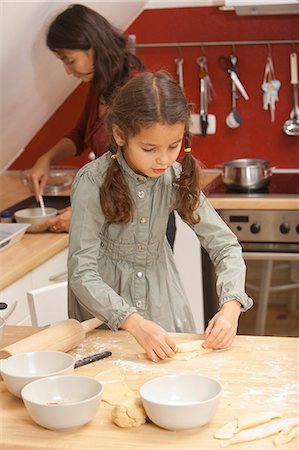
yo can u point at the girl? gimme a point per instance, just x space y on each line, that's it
121 268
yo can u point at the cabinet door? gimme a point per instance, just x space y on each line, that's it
46 273
15 296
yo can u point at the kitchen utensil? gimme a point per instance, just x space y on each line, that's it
229 64
270 88
179 70
92 358
61 336
291 126
246 173
42 205
207 93
19 370
180 402
62 402
35 217
233 120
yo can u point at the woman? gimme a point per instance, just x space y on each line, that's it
92 50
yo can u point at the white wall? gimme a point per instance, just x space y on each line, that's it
33 83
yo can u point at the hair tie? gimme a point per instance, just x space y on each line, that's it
114 156
187 150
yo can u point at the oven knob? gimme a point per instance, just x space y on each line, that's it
284 228
297 229
255 228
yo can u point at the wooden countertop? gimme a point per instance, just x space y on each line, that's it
34 249
257 374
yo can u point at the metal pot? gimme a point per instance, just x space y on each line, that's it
246 174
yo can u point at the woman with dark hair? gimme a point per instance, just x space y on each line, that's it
92 50
121 268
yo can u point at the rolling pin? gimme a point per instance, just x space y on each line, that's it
62 336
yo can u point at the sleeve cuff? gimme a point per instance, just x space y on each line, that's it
245 301
115 323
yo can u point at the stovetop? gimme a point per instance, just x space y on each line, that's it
284 184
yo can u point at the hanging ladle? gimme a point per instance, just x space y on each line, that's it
233 120
291 126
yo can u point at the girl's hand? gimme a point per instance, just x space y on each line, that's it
222 328
60 223
153 338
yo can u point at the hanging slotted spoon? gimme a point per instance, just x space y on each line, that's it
291 126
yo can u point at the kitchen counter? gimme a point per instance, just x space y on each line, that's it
34 249
257 374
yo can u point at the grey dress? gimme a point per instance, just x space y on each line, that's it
115 270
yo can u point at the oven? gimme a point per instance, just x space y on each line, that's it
269 239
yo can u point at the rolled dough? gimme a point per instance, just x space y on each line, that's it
261 431
286 435
185 351
243 422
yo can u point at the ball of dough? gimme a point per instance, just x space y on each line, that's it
129 412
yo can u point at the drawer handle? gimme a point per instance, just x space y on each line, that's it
58 276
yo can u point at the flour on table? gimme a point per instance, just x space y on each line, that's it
114 386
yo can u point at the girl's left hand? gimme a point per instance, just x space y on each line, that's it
222 328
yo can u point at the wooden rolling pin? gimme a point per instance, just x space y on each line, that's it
62 336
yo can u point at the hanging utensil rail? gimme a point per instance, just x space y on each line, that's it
212 43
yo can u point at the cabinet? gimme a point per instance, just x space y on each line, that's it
15 295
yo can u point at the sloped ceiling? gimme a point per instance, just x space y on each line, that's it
32 81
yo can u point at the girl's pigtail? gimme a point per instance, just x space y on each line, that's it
115 197
188 195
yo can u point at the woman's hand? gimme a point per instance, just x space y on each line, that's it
222 328
38 176
153 338
60 223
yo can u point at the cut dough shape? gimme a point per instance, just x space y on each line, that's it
286 435
114 386
185 351
129 412
261 431
245 421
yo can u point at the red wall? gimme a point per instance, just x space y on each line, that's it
257 136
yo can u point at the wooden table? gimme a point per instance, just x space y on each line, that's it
257 374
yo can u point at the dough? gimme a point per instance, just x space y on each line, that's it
129 412
261 431
114 385
286 435
185 351
243 422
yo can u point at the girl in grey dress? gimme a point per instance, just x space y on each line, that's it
121 267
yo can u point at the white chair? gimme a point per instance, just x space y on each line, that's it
48 304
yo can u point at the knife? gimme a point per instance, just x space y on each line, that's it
91 358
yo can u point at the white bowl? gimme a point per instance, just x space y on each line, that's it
19 370
63 401
35 217
181 402
2 325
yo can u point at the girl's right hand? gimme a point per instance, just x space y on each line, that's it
153 338
38 176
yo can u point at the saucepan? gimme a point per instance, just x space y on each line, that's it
246 173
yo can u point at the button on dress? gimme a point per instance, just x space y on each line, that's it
117 269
